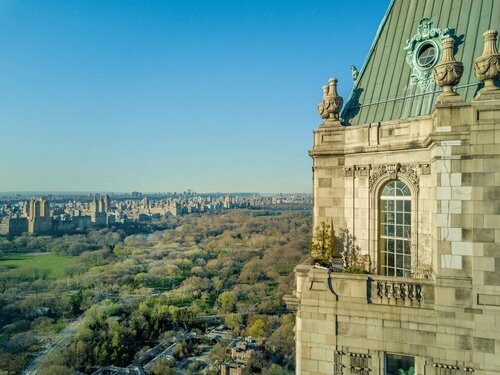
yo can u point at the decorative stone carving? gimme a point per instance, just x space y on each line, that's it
448 72
393 170
349 172
359 363
362 171
425 169
399 290
445 369
430 37
487 66
337 362
329 108
354 73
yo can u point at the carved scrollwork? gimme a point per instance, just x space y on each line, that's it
427 34
410 171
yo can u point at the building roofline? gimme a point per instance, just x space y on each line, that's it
370 52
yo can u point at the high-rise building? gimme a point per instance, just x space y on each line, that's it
98 211
407 173
107 203
39 219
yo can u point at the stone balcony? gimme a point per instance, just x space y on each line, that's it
318 282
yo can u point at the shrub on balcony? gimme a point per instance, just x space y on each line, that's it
326 247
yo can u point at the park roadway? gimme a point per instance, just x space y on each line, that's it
61 339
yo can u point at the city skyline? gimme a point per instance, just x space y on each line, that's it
123 96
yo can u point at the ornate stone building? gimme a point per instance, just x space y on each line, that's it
409 168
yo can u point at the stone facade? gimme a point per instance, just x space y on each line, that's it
444 316
451 162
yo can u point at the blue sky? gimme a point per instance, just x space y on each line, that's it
213 95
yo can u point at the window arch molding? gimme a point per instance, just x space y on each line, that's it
375 217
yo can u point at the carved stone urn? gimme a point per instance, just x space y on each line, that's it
329 108
487 66
448 72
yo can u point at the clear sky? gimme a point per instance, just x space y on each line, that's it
154 96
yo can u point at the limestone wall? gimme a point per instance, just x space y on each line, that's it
451 162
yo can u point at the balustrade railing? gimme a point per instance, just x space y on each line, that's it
400 291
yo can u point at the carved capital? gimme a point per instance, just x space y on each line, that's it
349 171
425 169
357 170
362 170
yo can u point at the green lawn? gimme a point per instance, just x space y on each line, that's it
54 263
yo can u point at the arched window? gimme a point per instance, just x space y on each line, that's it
395 230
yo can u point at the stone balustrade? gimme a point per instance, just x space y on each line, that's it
373 289
400 291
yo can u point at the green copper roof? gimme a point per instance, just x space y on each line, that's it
387 87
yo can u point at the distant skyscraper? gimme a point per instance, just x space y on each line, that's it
39 220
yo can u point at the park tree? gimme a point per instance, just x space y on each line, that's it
163 367
227 302
11 363
234 322
258 329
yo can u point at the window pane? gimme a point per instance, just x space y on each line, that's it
406 247
400 206
399 231
407 262
399 218
390 259
389 245
395 227
399 364
389 205
407 206
387 190
390 217
399 246
399 261
407 231
400 184
407 219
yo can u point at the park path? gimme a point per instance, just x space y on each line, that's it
61 339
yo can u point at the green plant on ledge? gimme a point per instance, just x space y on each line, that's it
411 371
322 247
353 269
326 247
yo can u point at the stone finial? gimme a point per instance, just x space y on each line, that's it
448 72
329 108
487 66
